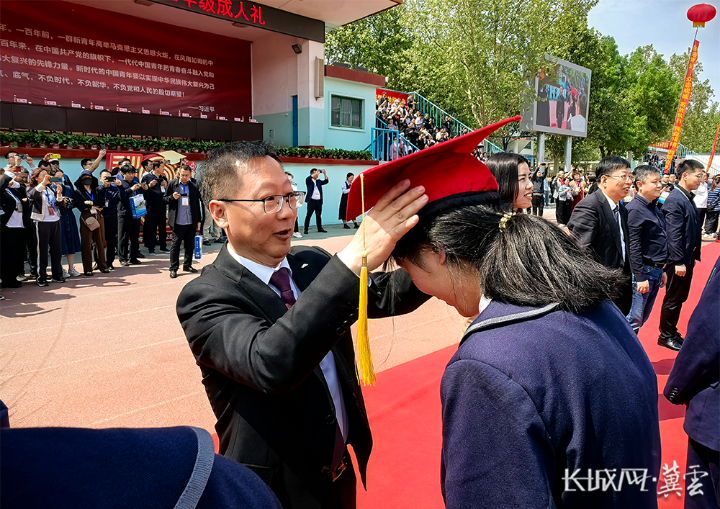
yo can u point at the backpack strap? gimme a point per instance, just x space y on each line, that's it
201 471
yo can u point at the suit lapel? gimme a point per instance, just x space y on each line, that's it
607 210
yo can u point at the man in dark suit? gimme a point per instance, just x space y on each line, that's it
269 327
156 207
694 381
184 217
600 222
128 227
314 198
684 239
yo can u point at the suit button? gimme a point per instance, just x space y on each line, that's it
340 331
325 470
330 419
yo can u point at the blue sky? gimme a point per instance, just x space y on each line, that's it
664 24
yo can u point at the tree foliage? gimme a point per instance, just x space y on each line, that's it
477 59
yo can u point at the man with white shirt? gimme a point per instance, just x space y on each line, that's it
314 199
600 222
269 327
13 162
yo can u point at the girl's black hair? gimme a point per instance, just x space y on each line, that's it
504 167
531 262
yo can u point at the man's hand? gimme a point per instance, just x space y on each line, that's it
680 270
664 280
643 286
176 195
135 187
29 160
46 157
102 153
118 182
144 186
391 218
198 228
107 183
88 202
152 184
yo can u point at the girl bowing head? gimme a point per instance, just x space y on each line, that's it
550 389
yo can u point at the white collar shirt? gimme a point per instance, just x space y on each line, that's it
327 365
613 207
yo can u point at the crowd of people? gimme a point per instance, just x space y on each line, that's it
422 131
40 226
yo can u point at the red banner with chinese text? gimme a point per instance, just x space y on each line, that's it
392 95
684 100
65 54
712 154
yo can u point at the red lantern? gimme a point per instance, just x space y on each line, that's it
700 14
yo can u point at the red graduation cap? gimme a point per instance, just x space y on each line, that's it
450 174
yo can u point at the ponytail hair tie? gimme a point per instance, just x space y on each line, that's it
504 221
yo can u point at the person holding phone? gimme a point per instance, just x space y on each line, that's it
184 217
128 227
70 235
46 215
110 195
154 229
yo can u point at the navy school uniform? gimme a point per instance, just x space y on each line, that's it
535 396
123 468
695 382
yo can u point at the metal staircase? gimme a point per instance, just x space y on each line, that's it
388 145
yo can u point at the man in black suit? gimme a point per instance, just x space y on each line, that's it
693 382
184 217
600 222
269 327
128 227
314 198
684 237
156 207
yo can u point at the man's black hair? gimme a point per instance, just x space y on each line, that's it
157 164
313 170
689 166
349 175
127 168
86 161
43 164
145 163
610 164
9 153
504 167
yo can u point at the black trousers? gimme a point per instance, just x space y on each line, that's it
562 211
111 238
676 293
49 238
155 220
87 238
538 203
314 206
702 213
707 460
342 493
182 234
12 252
30 240
129 238
711 224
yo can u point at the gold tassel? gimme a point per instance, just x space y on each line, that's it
366 372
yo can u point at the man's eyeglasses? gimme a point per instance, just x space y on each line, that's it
273 204
627 178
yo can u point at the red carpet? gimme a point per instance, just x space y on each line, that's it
404 411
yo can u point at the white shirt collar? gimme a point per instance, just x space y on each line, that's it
262 272
484 303
613 203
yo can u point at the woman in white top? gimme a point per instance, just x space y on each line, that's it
46 216
344 199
